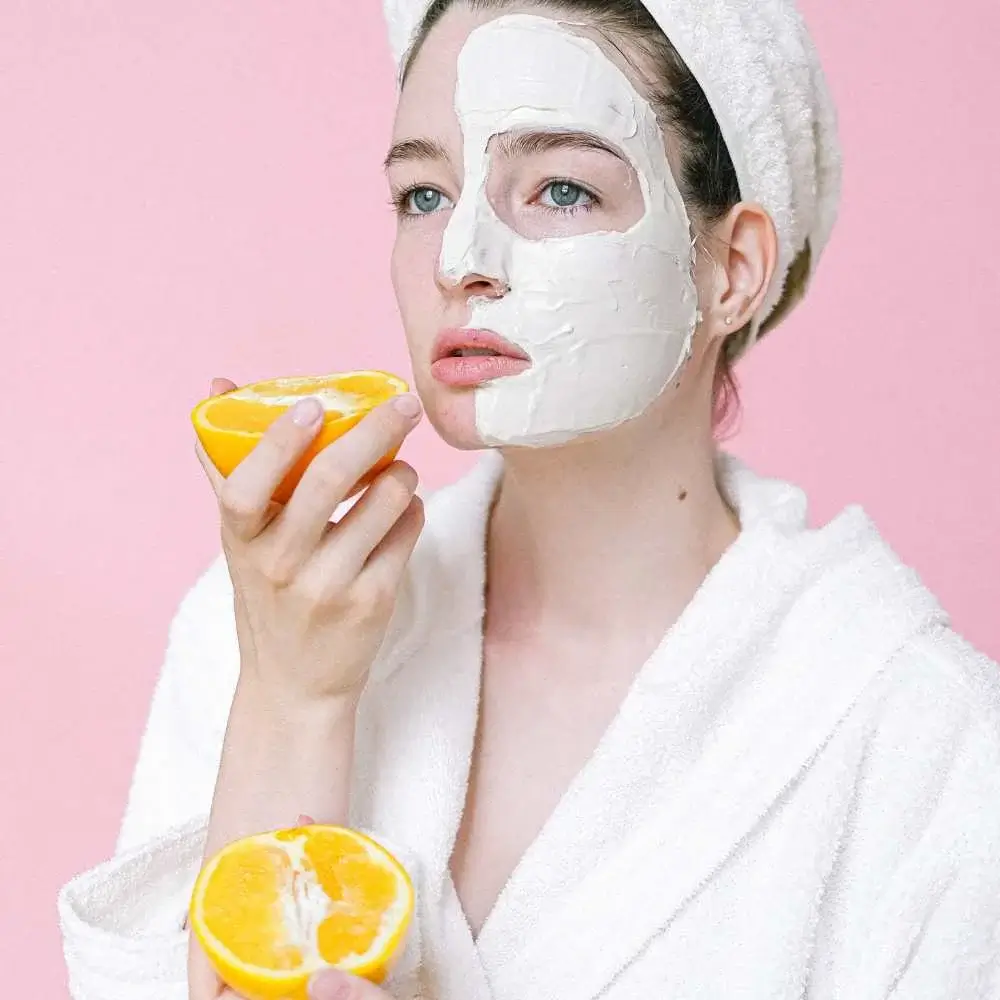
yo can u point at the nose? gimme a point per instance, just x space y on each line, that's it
474 253
473 284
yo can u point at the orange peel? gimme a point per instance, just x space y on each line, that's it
231 424
273 909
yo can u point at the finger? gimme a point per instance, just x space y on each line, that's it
203 981
388 560
215 477
350 542
221 385
332 474
247 492
330 984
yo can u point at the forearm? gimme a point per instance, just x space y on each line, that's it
280 762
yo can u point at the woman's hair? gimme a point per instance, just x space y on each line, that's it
708 181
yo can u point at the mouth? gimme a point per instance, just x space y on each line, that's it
473 352
463 358
457 343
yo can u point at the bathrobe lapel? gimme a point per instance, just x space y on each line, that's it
737 700
789 674
696 679
417 733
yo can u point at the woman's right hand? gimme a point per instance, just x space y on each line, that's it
314 599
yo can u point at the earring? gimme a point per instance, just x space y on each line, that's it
729 321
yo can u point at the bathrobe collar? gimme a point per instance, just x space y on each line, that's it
739 697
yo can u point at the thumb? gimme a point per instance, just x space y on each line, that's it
220 385
330 984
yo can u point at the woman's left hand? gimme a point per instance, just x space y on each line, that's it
333 985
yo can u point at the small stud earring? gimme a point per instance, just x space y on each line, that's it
729 321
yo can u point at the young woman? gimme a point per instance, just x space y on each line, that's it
637 730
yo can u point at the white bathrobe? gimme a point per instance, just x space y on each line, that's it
799 797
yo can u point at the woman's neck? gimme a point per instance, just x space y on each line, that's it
615 532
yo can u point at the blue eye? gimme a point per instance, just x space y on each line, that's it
563 194
423 201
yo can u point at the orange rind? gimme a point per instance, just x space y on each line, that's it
231 424
273 909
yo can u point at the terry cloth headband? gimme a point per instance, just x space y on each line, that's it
760 71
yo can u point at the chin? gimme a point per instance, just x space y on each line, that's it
451 412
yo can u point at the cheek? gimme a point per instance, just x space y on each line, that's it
414 266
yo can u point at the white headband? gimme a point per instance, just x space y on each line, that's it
758 67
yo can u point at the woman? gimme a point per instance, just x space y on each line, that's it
637 730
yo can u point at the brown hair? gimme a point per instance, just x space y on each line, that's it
708 181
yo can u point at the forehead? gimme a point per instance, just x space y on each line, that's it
515 69
525 69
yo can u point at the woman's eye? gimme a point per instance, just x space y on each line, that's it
423 201
563 194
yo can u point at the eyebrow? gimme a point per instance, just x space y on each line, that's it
509 144
415 149
513 144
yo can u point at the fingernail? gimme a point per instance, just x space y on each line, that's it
330 984
307 411
408 405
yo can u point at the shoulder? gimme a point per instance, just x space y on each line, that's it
925 686
926 819
938 682
931 763
941 662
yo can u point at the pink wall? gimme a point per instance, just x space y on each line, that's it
193 189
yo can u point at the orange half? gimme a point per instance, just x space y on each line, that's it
273 909
230 425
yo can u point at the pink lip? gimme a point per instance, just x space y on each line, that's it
471 371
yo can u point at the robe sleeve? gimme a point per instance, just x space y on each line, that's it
122 922
945 937
955 950
936 932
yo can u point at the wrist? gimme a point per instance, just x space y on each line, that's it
280 711
282 758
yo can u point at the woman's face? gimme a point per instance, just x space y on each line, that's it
543 261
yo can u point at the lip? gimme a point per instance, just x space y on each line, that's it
455 339
466 372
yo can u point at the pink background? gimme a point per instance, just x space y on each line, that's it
190 189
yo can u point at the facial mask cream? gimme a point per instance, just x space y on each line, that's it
606 318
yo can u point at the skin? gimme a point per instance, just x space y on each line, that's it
558 659
313 601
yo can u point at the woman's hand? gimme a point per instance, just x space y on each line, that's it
332 985
314 599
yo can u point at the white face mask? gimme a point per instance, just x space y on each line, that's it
607 317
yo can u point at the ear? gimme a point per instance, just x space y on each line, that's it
745 252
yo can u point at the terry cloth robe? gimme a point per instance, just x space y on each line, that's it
798 798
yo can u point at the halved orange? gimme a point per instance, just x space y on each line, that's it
273 909
230 425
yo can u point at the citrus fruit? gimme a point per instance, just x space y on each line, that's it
230 425
273 909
